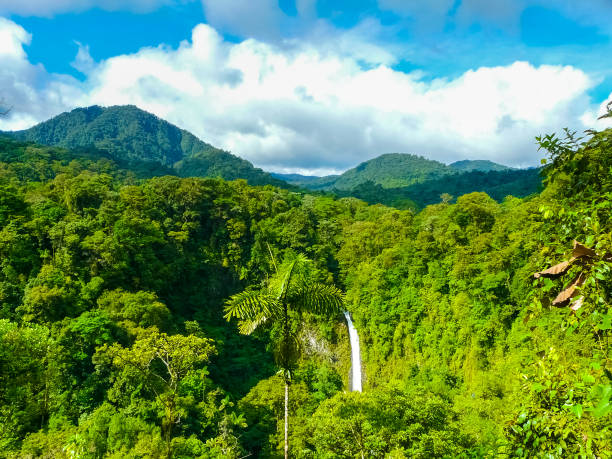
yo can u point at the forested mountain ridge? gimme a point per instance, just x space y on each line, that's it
128 133
310 182
413 182
391 170
134 137
497 184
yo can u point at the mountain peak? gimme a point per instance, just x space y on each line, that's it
392 170
127 132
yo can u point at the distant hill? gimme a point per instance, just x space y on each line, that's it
128 133
37 163
478 165
392 170
497 184
297 178
312 182
410 181
389 170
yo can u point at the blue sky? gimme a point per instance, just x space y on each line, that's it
318 86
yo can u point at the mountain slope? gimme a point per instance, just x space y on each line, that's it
392 170
482 165
497 184
409 181
129 133
311 182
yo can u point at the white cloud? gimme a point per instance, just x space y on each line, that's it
594 119
362 42
33 94
52 7
300 108
83 61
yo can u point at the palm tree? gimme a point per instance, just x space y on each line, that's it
285 296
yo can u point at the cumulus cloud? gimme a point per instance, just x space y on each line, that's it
33 94
303 109
52 7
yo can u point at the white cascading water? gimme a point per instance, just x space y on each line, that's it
355 354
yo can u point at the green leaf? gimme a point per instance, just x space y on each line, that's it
577 410
318 298
606 322
604 406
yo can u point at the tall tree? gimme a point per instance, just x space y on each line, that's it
161 362
278 304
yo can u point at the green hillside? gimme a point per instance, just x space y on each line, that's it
412 182
136 138
311 182
128 133
482 165
392 170
497 184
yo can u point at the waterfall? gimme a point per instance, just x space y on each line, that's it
355 354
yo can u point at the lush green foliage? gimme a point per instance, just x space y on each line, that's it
450 302
98 268
113 341
497 184
384 423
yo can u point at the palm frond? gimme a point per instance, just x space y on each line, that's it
318 298
251 305
246 327
272 258
286 280
291 269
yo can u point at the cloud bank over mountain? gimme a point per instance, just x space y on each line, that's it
298 106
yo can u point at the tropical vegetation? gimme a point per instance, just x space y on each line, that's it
484 325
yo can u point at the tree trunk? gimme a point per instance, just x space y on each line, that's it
168 430
286 420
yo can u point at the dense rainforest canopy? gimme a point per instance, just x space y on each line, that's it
113 341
